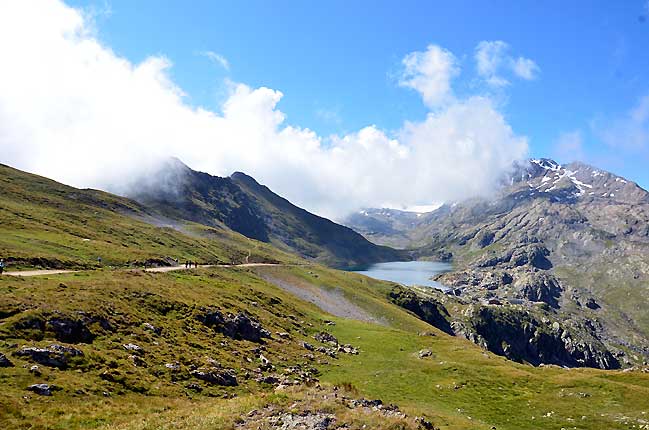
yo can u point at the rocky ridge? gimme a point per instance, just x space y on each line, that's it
563 243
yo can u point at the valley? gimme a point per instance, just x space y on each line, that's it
260 335
557 248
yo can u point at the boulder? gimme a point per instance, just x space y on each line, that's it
348 349
69 330
52 356
136 349
306 420
592 304
4 361
41 389
224 378
150 327
64 328
308 346
174 367
425 353
270 379
534 255
239 326
324 337
137 360
331 352
194 387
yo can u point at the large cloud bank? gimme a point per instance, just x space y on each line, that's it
73 110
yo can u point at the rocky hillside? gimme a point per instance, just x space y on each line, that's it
572 238
50 225
291 345
243 205
384 226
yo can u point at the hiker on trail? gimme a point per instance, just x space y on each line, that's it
196 264
2 265
186 264
99 260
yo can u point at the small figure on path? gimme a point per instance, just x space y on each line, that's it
2 265
186 264
99 260
196 264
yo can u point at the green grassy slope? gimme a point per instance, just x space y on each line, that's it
44 223
464 387
459 386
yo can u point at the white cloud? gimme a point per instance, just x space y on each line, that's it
493 60
217 59
525 68
430 73
489 57
73 110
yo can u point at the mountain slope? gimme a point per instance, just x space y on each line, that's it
204 348
243 205
388 227
191 354
573 238
48 224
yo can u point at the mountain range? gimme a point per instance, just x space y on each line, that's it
573 238
546 277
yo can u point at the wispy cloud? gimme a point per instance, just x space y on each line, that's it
525 68
217 59
493 62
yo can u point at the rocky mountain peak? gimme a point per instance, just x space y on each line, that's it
545 178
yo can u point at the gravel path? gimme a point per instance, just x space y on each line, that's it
37 272
162 269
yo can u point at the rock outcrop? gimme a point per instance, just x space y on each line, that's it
42 389
240 326
216 377
427 309
53 356
68 328
518 335
570 237
4 361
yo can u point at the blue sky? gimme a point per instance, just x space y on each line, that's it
336 62
381 103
